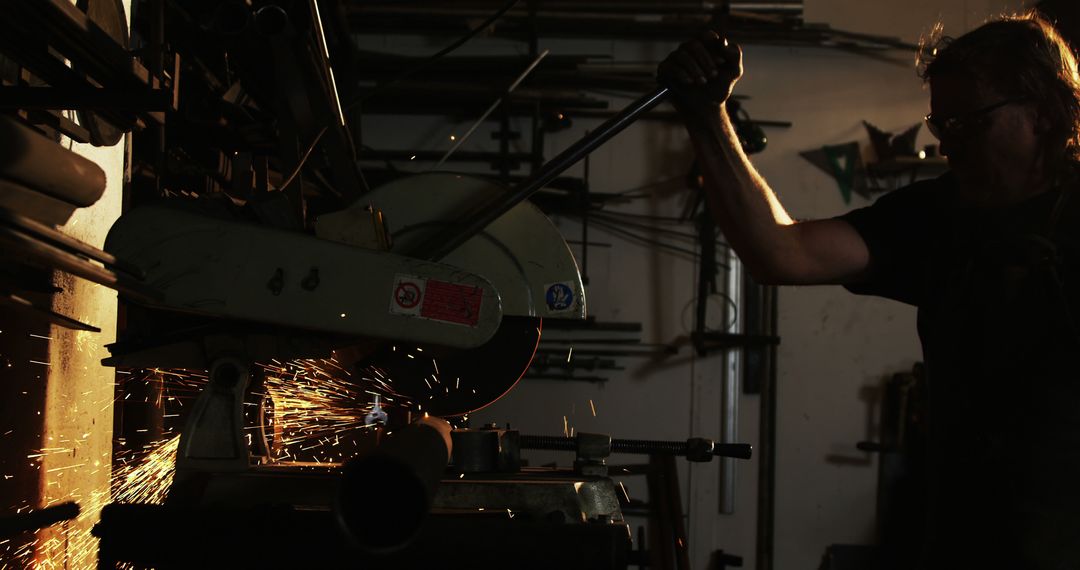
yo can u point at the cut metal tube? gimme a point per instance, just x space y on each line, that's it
386 495
35 161
18 303
443 242
43 232
46 255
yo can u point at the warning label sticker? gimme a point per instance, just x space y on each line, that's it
452 303
437 300
407 295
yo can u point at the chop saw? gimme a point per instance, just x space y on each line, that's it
432 290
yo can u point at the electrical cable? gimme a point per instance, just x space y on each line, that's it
619 228
360 171
682 235
612 228
650 228
386 161
652 184
655 243
434 57
651 242
676 250
665 219
730 302
303 159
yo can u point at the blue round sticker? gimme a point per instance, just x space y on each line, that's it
560 297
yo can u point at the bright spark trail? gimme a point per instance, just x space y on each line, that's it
317 408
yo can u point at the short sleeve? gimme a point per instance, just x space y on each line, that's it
899 230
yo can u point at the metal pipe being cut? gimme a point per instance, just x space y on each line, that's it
385 496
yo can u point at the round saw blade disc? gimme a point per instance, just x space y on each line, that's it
447 382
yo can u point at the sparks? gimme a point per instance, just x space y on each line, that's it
314 411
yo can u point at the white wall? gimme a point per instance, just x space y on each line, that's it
836 347
80 392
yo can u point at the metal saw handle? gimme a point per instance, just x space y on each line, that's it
443 242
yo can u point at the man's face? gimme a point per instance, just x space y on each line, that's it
992 142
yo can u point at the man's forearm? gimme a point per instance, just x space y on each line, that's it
746 209
773 248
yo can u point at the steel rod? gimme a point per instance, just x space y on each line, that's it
734 361
638 446
442 243
766 499
483 117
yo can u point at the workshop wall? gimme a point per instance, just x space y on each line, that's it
56 416
77 439
837 349
56 399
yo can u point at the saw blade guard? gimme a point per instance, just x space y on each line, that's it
521 253
234 270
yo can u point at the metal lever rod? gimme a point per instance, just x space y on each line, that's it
491 108
443 242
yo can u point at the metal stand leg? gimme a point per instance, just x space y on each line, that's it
213 438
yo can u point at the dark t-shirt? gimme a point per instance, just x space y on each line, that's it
994 291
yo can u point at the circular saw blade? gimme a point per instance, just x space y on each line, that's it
445 382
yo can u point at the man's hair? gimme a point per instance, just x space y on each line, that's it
1019 56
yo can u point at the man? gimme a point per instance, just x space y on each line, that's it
990 255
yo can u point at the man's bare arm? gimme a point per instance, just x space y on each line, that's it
773 247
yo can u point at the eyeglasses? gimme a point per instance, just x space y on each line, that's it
959 125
